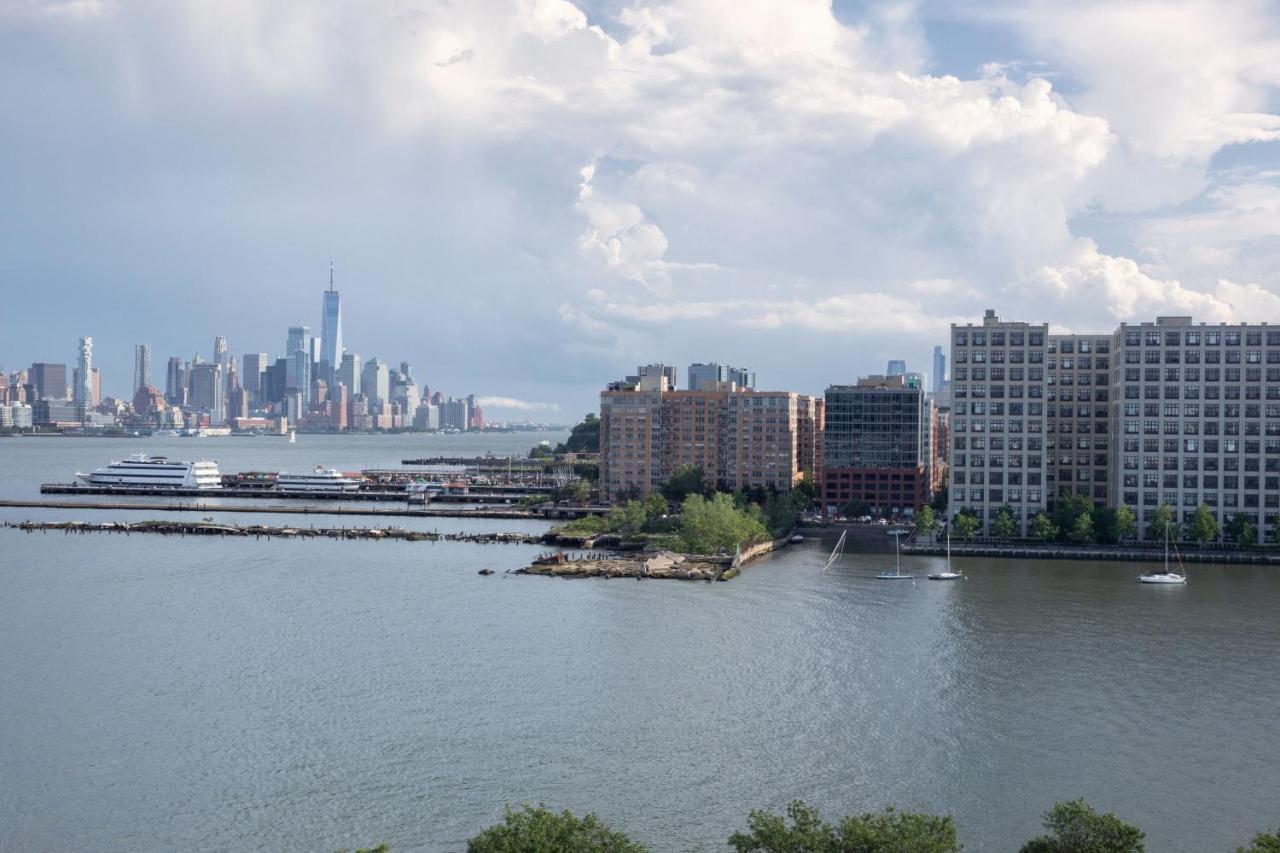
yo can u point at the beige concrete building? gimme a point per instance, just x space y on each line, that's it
740 438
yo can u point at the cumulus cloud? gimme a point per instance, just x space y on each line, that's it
658 180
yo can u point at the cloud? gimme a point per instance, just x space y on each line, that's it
518 405
585 186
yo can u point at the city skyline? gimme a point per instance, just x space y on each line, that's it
524 239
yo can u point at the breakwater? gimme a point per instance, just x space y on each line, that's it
509 513
262 531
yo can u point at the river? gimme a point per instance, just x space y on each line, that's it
163 693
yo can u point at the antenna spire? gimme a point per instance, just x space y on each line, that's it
331 275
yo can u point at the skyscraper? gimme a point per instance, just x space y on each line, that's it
897 367
330 332
375 383
299 340
220 352
300 375
175 381
141 366
349 372
84 379
208 391
939 370
255 365
48 381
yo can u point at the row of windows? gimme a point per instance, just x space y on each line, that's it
1193 392
1230 482
1195 428
1001 496
1173 356
1193 410
1210 499
1194 337
1193 463
1015 338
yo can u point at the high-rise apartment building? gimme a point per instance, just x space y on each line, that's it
878 445
739 438
141 366
1078 417
330 332
1164 412
1195 413
709 377
998 426
84 378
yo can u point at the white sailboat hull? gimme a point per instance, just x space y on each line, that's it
1162 577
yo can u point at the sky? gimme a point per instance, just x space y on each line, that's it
525 199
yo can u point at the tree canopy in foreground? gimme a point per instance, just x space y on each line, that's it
537 829
1076 827
802 830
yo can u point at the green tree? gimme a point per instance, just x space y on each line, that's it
780 513
1043 528
1203 527
1125 523
1161 520
965 524
806 491
1263 842
655 508
583 438
925 522
1075 827
539 830
1104 525
1003 526
1067 511
855 509
1082 533
940 501
716 524
628 519
684 481
888 831
1241 530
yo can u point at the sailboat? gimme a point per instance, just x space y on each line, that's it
1165 576
947 574
896 574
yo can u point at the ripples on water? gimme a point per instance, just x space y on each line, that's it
161 693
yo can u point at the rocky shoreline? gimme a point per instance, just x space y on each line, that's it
665 565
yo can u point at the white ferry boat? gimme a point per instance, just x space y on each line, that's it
155 472
320 480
